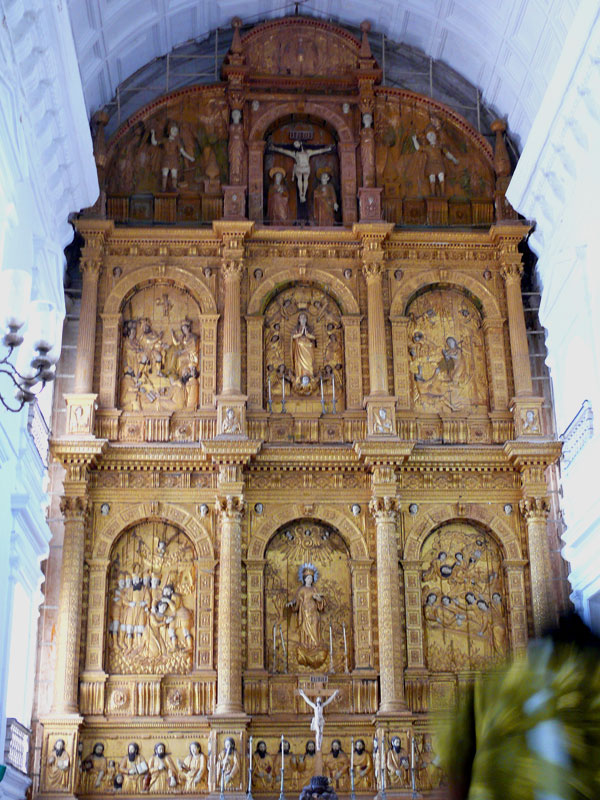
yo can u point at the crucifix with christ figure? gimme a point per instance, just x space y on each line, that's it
318 721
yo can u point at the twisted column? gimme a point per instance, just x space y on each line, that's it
75 512
378 377
385 510
535 510
230 510
232 335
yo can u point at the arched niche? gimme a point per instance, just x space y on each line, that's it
446 351
464 598
492 352
266 117
500 535
307 564
151 601
327 518
347 336
162 514
195 390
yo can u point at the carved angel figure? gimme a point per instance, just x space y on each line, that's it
172 148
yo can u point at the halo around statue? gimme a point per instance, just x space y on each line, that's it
306 568
274 170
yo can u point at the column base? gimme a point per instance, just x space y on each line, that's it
231 417
234 202
391 711
81 410
369 204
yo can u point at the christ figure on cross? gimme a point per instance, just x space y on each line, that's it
301 171
318 721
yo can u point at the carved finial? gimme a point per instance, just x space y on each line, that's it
365 47
99 120
236 44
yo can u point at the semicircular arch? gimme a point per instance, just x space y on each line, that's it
478 515
167 512
323 513
142 275
460 281
271 113
334 286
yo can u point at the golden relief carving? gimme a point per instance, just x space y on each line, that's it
447 352
303 345
464 599
151 602
160 358
299 49
159 768
308 600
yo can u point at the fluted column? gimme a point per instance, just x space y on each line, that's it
385 510
512 270
86 337
75 511
232 335
378 377
230 510
535 510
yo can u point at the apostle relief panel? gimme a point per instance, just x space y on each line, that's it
304 351
446 352
464 599
160 353
308 600
151 601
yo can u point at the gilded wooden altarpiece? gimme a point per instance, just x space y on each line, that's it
303 450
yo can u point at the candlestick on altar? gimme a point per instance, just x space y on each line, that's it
352 791
334 410
274 648
382 794
412 765
283 394
323 409
281 793
249 792
345 648
283 648
269 395
330 648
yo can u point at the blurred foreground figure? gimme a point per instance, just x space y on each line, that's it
532 730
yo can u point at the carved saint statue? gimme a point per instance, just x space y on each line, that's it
309 604
162 774
262 767
324 200
228 765
434 163
57 772
278 207
318 721
363 766
172 149
192 767
398 765
302 158
303 349
237 149
337 765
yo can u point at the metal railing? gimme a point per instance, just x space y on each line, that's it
16 746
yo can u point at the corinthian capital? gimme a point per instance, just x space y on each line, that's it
91 267
232 268
513 270
535 507
384 509
74 507
232 507
372 269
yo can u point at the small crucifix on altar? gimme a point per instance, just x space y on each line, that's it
318 721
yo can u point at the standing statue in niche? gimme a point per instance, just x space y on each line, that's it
434 160
172 148
278 207
301 172
57 771
309 604
324 200
237 149
303 349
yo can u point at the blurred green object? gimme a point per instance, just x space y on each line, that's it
530 731
2 771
